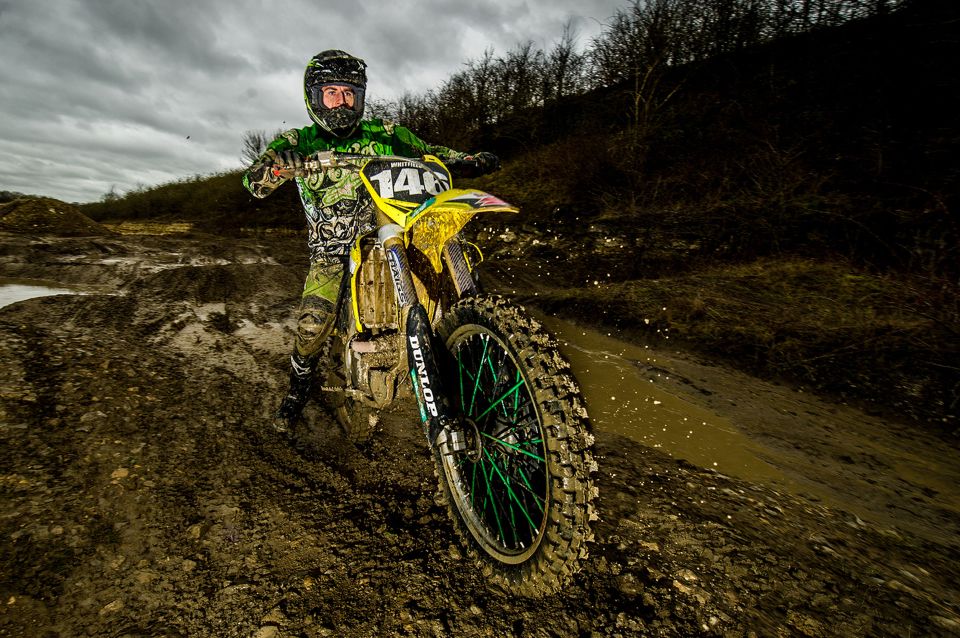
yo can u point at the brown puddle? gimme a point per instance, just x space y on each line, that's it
622 399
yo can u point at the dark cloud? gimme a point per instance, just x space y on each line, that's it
101 93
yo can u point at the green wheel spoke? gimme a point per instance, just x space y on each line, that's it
461 370
493 371
511 510
501 399
490 496
516 399
496 381
476 385
510 492
526 481
515 448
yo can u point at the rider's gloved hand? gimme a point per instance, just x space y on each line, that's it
289 159
486 162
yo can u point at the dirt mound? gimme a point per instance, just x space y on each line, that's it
45 216
218 283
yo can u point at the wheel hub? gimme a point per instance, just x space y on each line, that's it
472 432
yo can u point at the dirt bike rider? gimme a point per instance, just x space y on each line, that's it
334 202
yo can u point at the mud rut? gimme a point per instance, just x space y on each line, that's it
143 493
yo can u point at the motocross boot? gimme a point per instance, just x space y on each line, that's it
301 382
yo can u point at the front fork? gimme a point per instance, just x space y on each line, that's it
435 411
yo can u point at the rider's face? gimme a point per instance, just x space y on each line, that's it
335 95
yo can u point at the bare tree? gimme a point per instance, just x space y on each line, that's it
254 144
518 85
483 76
563 72
111 195
635 52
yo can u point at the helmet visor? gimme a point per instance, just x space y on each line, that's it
332 95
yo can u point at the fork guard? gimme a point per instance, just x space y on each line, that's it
425 373
422 351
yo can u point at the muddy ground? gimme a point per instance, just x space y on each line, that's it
144 494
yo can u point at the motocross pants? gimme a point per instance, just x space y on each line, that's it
317 304
315 321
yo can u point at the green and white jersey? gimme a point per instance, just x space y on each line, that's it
335 203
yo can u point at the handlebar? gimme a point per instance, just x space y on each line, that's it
323 160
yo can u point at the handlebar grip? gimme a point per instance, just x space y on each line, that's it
463 167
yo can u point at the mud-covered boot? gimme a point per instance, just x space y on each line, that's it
301 382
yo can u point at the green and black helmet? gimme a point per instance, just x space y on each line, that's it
335 67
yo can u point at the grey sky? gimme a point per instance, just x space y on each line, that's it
101 93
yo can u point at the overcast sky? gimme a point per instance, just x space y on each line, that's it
97 94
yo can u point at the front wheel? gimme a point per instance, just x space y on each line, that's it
521 496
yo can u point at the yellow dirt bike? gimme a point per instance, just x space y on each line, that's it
500 407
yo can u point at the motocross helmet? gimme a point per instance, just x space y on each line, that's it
335 67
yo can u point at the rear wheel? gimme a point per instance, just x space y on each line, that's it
358 418
521 495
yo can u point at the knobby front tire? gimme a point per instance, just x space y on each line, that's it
522 496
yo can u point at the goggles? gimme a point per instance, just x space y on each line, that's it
344 89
